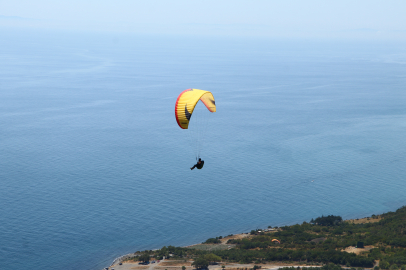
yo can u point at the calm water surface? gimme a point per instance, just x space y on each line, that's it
93 164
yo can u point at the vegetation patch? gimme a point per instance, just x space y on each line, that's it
327 241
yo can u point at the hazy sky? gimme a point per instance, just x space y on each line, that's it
270 18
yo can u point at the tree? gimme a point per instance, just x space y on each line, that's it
330 220
183 267
213 241
144 257
200 263
212 258
384 265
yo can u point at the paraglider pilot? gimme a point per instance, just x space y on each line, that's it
198 165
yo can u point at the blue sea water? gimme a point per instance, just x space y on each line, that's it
94 166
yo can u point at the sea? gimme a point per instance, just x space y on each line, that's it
94 166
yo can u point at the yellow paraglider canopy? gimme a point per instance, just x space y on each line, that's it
186 103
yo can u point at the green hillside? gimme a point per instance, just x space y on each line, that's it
324 240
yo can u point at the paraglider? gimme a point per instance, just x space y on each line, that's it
198 165
276 240
186 103
186 106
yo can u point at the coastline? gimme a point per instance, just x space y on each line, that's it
177 265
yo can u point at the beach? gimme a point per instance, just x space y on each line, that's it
177 265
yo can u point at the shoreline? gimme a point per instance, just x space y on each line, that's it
120 259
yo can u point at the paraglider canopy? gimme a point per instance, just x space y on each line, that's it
276 240
186 103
